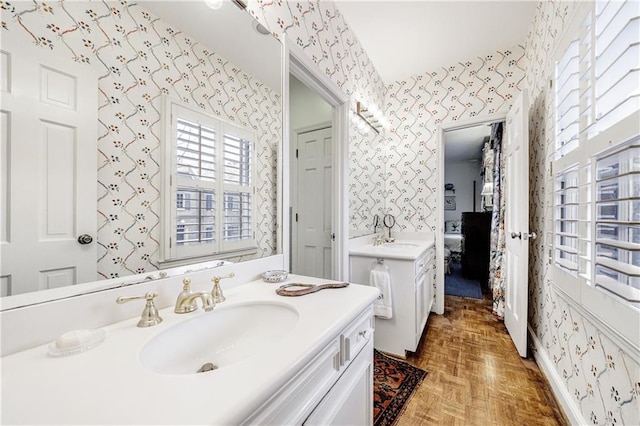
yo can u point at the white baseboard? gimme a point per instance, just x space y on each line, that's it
567 402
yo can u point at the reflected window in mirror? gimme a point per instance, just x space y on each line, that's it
210 176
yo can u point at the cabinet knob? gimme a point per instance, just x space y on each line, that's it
366 334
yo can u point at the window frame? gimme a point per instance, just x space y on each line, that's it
171 252
619 315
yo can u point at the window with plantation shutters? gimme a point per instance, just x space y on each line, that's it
617 221
209 166
237 189
567 100
566 221
617 61
596 160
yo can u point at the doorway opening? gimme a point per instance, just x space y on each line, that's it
311 181
460 192
334 201
468 205
510 219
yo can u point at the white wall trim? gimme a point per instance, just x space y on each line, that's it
313 128
305 70
283 227
438 306
563 396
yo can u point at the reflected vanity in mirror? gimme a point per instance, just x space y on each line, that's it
89 200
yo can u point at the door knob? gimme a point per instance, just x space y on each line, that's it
531 236
85 239
515 235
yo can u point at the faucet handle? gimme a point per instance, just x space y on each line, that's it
150 316
216 293
217 279
186 284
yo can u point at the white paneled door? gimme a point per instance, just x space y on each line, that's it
48 170
312 209
516 148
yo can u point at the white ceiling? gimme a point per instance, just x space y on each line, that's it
465 144
228 31
404 38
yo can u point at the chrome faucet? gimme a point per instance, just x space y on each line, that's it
187 299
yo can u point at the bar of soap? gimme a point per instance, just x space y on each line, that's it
73 339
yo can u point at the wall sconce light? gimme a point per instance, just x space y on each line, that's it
371 116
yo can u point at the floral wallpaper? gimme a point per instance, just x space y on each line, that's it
419 105
366 181
601 376
396 170
320 30
140 58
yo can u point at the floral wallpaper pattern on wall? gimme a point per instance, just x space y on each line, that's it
139 59
601 376
416 106
319 29
366 181
419 105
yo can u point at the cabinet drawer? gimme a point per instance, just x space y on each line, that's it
356 335
300 396
421 264
350 401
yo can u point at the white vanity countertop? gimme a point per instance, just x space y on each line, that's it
405 249
107 384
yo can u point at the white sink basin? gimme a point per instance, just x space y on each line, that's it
400 245
223 337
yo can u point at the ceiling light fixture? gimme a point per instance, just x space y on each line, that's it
260 28
214 4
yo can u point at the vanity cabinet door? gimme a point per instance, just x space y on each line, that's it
298 398
430 280
421 308
350 401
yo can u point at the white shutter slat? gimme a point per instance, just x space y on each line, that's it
626 292
568 265
617 67
195 150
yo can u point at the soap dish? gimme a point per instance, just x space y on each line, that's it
75 342
276 276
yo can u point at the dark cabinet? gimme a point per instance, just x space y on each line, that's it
476 229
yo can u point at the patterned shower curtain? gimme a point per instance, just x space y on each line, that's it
496 261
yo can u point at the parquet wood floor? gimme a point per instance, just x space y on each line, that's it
475 375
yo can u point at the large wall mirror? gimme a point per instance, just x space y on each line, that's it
85 188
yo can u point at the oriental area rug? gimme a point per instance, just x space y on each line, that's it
394 382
